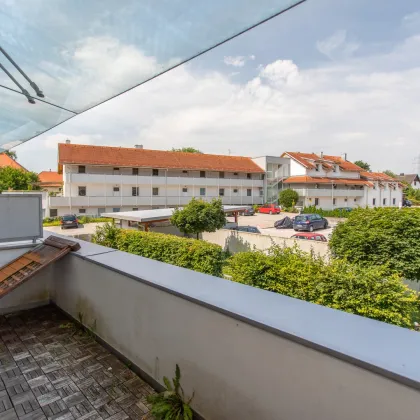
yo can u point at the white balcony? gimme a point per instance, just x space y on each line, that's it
133 180
325 192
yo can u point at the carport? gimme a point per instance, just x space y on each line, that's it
146 217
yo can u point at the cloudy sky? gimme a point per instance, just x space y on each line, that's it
333 76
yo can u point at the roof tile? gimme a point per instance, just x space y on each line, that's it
131 157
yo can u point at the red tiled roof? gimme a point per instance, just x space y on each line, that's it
301 179
126 157
50 178
377 176
8 161
308 160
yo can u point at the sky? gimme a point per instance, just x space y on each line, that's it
331 76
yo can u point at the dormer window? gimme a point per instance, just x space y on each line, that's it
317 167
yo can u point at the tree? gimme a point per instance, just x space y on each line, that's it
363 165
390 173
369 291
199 216
387 237
16 179
12 154
187 150
288 198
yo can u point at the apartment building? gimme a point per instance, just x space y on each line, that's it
411 179
99 179
331 182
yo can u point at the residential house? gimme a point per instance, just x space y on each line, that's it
99 179
51 181
6 160
332 182
411 179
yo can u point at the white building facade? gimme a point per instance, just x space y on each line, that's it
331 182
99 179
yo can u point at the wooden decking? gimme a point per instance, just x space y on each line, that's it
51 371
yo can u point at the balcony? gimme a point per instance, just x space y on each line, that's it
328 192
117 201
161 180
244 361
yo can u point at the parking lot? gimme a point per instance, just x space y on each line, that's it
265 223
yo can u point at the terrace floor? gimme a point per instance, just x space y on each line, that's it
50 370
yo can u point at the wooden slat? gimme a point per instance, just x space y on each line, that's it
27 265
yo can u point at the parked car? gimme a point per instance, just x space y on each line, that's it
270 209
250 229
344 208
310 237
69 220
407 203
309 222
249 211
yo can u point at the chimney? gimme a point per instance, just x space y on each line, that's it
322 155
138 146
68 141
345 156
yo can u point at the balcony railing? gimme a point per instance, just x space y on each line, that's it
247 353
117 201
161 180
328 192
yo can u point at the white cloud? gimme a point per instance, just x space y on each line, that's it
336 46
362 107
237 61
412 21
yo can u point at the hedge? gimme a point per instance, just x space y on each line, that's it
367 291
188 253
327 213
381 236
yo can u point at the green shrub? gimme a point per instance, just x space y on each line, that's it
184 252
326 213
367 291
381 236
288 198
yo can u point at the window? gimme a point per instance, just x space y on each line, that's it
355 200
261 192
248 176
135 171
116 169
82 211
155 172
185 190
317 167
235 173
101 210
53 212
345 200
185 172
202 174
235 191
221 174
221 192
249 192
202 191
334 168
81 169
82 191
374 201
116 189
115 209
134 191
317 201
393 201
135 208
334 200
155 191
384 201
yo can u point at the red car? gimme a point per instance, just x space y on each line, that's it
270 209
309 236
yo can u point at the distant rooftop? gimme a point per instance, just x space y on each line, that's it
6 160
